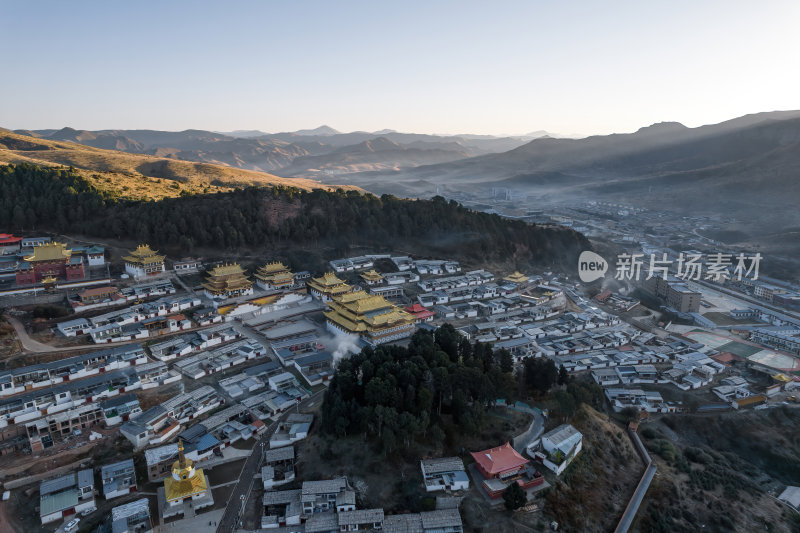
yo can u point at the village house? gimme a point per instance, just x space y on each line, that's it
66 495
558 447
46 374
62 397
278 467
162 422
294 428
118 479
444 473
120 409
132 517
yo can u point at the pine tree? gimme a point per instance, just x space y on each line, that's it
514 497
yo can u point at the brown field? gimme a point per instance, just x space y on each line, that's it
138 175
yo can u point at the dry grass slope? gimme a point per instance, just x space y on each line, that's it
136 175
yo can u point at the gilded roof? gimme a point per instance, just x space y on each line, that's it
143 254
273 268
227 269
177 490
372 275
517 277
359 312
51 251
328 279
228 277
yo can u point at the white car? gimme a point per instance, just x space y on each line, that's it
87 512
72 524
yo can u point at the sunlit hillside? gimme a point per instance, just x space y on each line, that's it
136 175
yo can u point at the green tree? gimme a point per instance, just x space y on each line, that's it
563 375
514 497
506 361
540 374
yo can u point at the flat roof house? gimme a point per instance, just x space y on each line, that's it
66 495
444 473
559 447
132 517
119 479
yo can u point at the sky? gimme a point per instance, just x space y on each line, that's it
500 67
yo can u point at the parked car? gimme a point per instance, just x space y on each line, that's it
72 524
87 512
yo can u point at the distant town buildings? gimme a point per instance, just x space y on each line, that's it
675 292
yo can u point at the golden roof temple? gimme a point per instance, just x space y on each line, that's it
327 286
274 275
370 315
227 280
186 481
144 256
516 277
372 277
50 252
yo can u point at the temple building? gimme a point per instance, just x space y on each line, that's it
53 259
372 277
227 281
187 484
501 466
326 287
517 277
9 244
274 276
144 262
371 316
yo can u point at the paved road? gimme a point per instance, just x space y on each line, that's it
230 519
521 442
636 500
31 345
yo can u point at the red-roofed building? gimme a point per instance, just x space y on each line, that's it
502 466
727 358
502 461
603 296
420 313
9 243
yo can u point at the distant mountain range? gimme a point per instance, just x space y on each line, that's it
312 153
748 166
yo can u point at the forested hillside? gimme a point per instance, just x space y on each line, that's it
399 394
47 199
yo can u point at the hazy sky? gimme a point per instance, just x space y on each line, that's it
434 66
